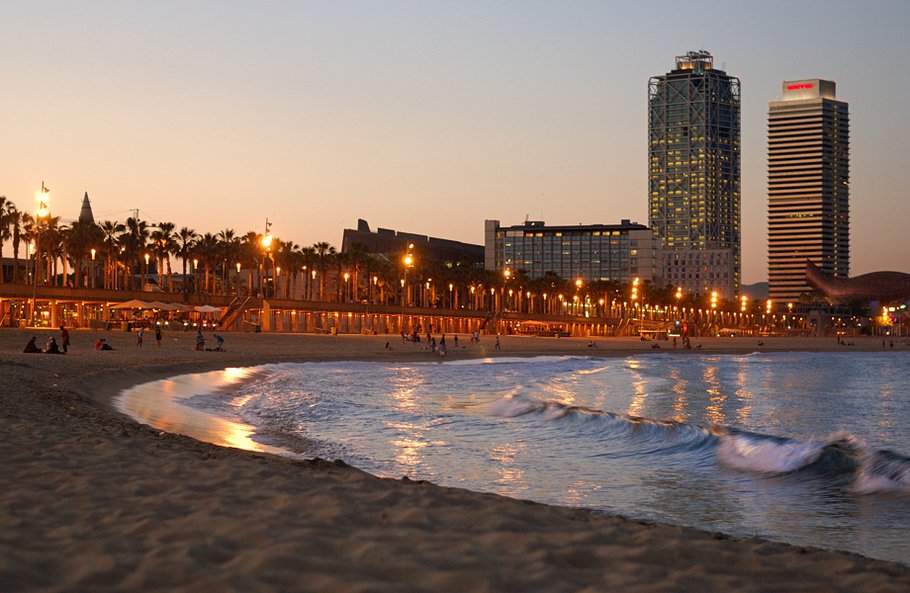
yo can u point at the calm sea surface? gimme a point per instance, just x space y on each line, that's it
806 448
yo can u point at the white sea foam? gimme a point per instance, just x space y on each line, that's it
765 455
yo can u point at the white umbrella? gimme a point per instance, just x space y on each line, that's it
134 304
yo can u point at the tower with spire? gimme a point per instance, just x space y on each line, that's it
85 215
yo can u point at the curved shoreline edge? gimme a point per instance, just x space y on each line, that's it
187 514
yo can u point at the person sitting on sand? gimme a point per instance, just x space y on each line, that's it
102 344
31 346
200 340
51 347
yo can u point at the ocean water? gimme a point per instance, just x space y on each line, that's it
806 448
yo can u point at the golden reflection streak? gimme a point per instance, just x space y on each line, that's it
157 404
511 476
639 391
715 410
886 424
745 397
680 402
409 441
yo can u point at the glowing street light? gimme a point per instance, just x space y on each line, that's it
94 251
145 277
41 214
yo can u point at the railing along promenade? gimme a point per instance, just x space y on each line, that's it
88 307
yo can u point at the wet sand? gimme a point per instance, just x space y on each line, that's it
92 501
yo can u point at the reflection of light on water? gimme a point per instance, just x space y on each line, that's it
408 455
563 395
715 409
404 393
158 404
577 492
744 414
510 474
639 392
679 387
408 442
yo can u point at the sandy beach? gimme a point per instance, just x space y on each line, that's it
92 501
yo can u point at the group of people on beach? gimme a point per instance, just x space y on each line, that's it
51 346
439 348
200 343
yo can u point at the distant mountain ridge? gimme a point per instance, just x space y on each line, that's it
756 292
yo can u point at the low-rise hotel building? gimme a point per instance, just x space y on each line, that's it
592 252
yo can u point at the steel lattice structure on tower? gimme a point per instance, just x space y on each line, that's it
694 174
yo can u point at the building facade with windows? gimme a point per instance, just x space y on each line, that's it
694 175
808 186
618 252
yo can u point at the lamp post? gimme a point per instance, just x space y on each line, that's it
145 276
93 267
41 215
267 254
237 279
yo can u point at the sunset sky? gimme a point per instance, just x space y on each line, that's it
423 116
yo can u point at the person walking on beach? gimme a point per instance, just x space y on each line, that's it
496 346
64 338
139 335
158 335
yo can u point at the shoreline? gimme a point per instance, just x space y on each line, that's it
95 501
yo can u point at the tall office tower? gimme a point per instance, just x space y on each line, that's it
808 186
694 174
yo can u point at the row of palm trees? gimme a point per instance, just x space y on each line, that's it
129 255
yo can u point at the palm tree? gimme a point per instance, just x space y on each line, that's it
250 250
16 220
162 244
325 253
288 257
135 242
308 260
228 247
5 234
110 237
79 238
186 237
206 249
360 259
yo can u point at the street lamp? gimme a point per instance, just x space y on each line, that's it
145 277
93 267
41 215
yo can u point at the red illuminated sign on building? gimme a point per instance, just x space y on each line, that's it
800 86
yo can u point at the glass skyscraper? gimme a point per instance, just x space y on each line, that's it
808 186
694 175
